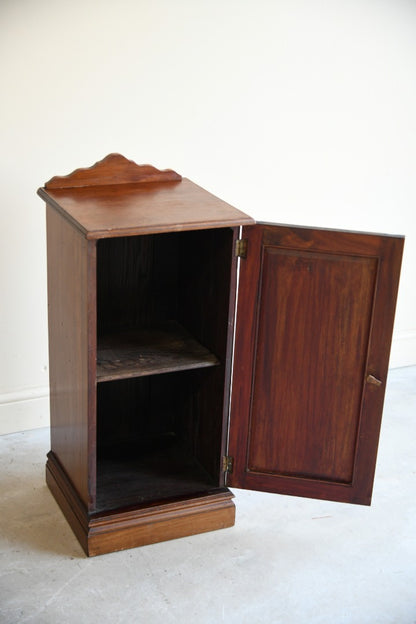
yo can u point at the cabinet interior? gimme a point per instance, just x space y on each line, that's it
162 323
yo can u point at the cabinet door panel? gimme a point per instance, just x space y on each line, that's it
314 321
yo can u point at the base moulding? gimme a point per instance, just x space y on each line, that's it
119 529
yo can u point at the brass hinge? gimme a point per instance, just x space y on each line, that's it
241 248
227 463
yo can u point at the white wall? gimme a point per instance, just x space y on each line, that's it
296 111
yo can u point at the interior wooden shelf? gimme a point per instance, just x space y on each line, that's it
162 349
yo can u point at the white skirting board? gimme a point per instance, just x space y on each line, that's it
403 349
29 408
24 409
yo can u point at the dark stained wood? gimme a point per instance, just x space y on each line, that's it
113 169
315 318
92 371
69 256
138 527
141 263
68 499
137 282
129 209
164 522
147 409
206 307
186 276
232 302
148 430
150 351
156 469
119 529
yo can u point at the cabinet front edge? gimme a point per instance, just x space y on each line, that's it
158 229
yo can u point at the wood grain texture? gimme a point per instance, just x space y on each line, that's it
113 169
68 499
158 468
147 280
161 349
136 526
315 318
136 282
128 209
147 434
232 302
323 303
206 301
70 258
92 371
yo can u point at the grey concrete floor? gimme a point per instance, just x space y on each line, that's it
287 560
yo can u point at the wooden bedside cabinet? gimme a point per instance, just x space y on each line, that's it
192 349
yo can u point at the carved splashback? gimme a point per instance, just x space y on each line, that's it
113 169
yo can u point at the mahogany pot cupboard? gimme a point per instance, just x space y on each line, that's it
192 349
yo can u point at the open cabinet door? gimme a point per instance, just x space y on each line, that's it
314 323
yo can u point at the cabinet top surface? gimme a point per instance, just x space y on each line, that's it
109 210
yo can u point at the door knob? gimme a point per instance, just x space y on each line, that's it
374 381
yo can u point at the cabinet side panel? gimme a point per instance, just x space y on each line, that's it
68 348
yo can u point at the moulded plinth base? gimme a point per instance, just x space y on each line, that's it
120 529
